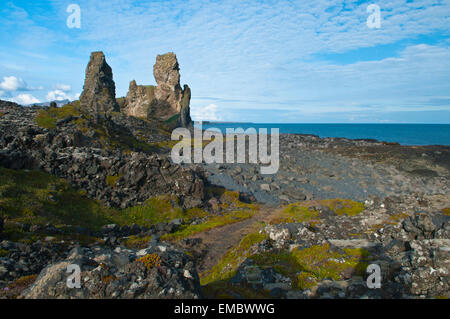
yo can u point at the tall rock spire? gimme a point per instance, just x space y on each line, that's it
99 90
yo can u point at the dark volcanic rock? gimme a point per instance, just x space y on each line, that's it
99 91
119 273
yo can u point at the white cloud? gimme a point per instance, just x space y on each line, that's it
205 113
11 83
25 99
63 87
59 95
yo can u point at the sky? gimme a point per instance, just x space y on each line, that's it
284 61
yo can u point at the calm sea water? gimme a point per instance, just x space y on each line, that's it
405 134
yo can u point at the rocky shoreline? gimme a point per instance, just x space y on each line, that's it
92 185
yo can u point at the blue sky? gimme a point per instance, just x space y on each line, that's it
312 61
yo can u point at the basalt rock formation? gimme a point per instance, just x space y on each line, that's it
99 91
167 101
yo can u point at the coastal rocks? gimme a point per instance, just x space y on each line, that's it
99 90
139 100
167 101
159 271
119 179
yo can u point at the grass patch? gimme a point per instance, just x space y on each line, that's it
233 211
227 266
112 180
157 210
214 222
37 198
307 266
296 213
48 118
446 211
33 197
344 206
137 242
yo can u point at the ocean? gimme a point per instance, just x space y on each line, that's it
405 134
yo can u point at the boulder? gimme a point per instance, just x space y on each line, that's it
99 91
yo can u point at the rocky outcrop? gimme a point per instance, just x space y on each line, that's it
139 99
159 271
80 158
167 101
99 91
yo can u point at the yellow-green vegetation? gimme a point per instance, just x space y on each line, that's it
112 180
137 242
213 222
231 200
446 211
37 198
48 118
296 213
1 114
150 261
344 206
398 217
3 252
307 266
232 211
229 263
158 209
33 197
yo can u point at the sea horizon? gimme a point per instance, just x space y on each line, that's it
402 133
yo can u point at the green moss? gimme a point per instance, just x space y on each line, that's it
446 211
344 206
305 280
112 180
158 209
307 266
37 198
33 197
296 213
3 252
230 199
227 266
213 222
48 118
1 114
137 242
